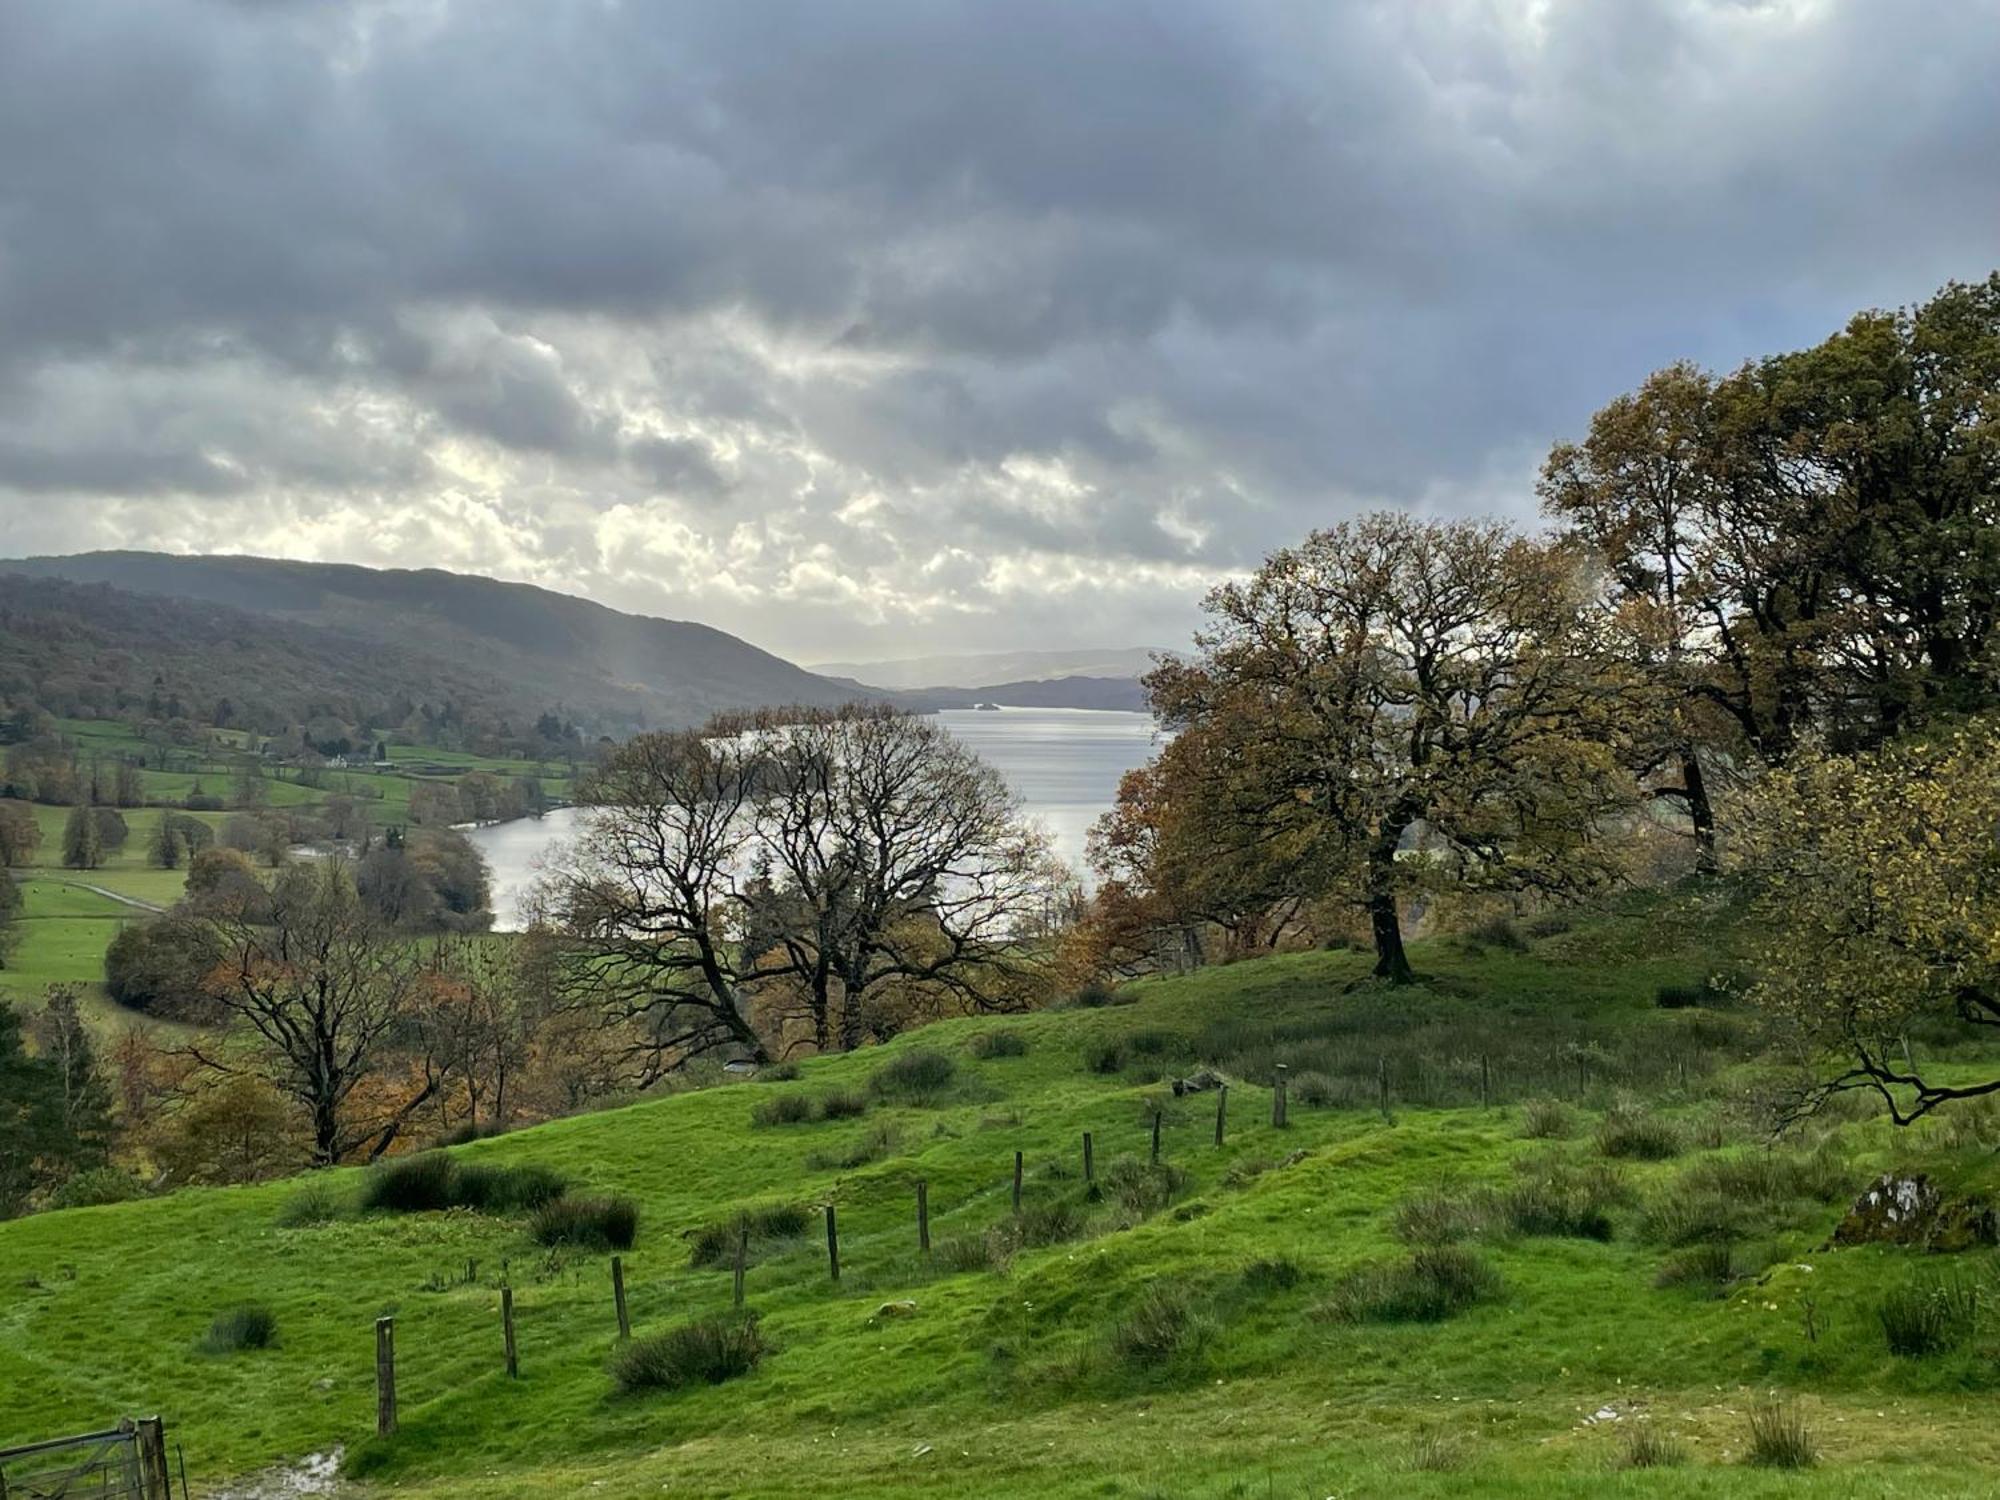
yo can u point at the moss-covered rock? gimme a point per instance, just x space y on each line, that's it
1908 1208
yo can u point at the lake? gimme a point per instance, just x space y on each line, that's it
1063 763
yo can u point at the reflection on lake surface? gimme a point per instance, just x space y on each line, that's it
1064 763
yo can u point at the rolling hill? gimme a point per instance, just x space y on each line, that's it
1425 1282
614 672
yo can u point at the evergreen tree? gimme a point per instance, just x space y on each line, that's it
167 848
32 1141
10 912
62 1042
81 849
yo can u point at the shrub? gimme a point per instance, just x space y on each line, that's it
410 1184
784 1072
1637 1134
1162 1327
250 1326
1142 1188
715 1244
97 1185
992 1044
842 1104
496 1189
1546 1120
919 1074
1436 1217
1680 996
1779 1438
1273 1273
782 1109
1646 1447
1708 1267
589 1223
315 1203
1771 1176
1928 1317
707 1351
1434 1283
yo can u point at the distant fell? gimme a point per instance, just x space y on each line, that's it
613 671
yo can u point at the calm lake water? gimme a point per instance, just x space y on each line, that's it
1063 762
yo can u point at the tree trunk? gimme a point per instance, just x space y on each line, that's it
1391 963
1700 812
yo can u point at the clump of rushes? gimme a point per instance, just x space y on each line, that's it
918 1075
1637 1134
707 1351
588 1223
1779 1438
1436 1282
251 1326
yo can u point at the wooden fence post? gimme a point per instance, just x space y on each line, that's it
507 1332
1017 1184
153 1459
618 1296
923 1216
1089 1170
1221 1110
385 1376
1156 1135
1382 1081
1485 1083
1278 1096
832 1244
742 1257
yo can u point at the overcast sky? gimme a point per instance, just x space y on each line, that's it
873 328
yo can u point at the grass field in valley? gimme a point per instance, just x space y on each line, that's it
1192 1333
67 923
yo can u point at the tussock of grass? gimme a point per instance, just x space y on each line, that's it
1560 1200
1546 1120
1435 1283
587 1223
917 1076
432 1181
876 1144
1162 1328
1142 1188
782 1109
1637 1134
410 1184
1682 1214
1932 1315
497 1189
1435 1453
1643 1446
1437 1216
707 1351
1709 1268
251 1326
994 1044
1779 1438
842 1104
715 1244
314 1204
1273 1273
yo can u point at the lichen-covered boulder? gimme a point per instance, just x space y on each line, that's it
1907 1208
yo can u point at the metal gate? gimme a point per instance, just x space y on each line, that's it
126 1462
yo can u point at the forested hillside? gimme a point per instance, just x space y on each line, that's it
613 673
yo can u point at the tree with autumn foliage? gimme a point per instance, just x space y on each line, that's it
1397 701
1878 913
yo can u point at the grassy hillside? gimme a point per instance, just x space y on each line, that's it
1186 1334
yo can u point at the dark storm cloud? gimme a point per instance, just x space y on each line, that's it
828 322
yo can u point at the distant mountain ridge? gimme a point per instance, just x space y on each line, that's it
615 672
1006 668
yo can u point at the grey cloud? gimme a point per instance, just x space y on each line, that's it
771 306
